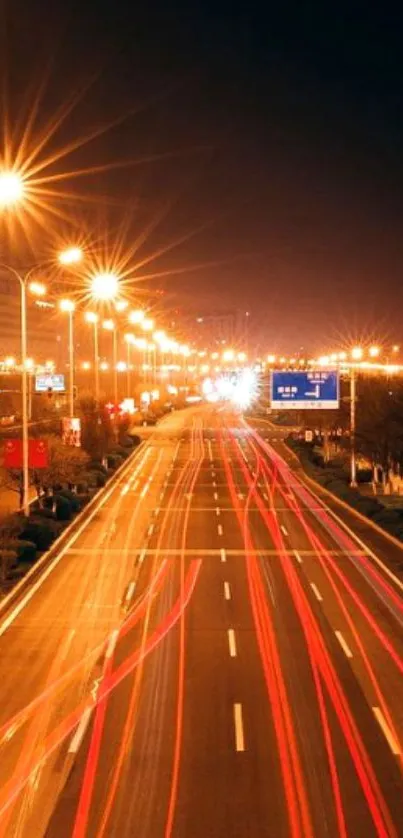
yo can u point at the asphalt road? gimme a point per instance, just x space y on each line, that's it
214 655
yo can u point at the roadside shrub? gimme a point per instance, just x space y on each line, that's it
72 499
96 465
95 478
113 461
84 498
25 550
82 487
63 508
368 506
119 451
8 560
135 439
39 532
388 517
43 512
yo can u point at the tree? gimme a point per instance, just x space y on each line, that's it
379 431
96 428
65 465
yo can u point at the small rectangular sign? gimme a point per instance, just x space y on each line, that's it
71 431
44 383
310 390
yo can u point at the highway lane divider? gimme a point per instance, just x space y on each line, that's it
51 558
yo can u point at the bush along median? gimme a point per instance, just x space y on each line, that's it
72 480
334 478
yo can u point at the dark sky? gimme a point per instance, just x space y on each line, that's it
286 124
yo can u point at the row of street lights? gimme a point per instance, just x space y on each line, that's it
104 287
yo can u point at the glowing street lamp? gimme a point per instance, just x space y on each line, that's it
357 353
137 316
11 188
104 286
92 317
374 351
228 355
71 256
147 324
68 306
37 288
121 305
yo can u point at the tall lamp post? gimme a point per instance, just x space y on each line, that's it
110 326
38 289
129 339
92 317
69 307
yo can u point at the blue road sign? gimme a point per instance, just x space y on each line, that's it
43 383
313 390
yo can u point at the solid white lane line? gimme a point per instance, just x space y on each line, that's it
232 643
150 530
112 643
238 724
220 530
223 555
227 590
80 732
316 592
297 556
217 510
215 495
346 649
283 529
130 591
393 745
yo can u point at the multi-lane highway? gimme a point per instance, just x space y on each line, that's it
213 655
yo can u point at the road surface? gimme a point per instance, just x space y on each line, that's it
213 656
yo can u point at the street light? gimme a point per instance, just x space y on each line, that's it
137 316
374 351
92 317
104 286
69 307
147 324
38 289
71 256
121 305
11 188
110 326
357 353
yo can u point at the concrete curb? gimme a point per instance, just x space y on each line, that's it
39 567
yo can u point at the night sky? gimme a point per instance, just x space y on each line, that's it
283 132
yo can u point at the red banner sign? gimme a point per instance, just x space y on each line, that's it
13 453
37 453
